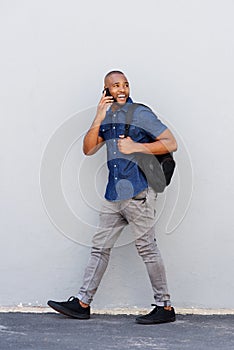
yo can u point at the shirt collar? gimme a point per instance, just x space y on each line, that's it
124 107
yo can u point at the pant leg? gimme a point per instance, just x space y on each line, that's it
141 215
111 223
148 250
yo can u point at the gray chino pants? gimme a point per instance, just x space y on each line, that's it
139 213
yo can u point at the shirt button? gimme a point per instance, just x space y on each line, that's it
113 127
114 115
114 152
114 140
115 165
116 178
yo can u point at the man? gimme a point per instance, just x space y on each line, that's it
129 199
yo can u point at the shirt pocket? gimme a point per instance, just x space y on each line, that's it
106 131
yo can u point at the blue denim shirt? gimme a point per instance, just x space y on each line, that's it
126 180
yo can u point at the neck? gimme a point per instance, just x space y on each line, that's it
116 106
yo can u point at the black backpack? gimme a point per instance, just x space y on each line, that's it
158 169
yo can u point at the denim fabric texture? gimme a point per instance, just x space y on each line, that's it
126 180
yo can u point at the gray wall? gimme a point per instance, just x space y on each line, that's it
178 56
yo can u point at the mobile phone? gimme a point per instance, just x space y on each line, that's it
107 92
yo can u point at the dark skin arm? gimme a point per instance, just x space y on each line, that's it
164 143
92 141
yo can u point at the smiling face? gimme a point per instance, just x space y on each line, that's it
118 86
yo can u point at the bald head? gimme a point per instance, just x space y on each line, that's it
118 85
111 73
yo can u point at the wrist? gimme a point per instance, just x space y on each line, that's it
97 120
140 148
100 115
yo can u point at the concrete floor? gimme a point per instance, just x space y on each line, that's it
47 331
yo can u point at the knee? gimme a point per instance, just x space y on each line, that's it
148 251
97 251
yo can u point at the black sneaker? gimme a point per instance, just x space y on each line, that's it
157 315
70 308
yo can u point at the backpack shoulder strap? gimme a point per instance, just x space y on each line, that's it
129 115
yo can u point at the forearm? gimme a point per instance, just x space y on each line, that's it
165 143
157 147
92 141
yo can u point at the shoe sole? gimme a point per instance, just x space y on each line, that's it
67 312
155 322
